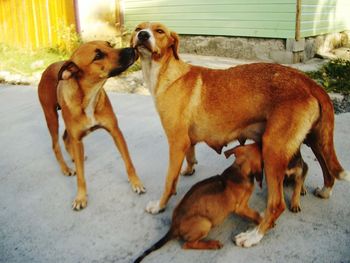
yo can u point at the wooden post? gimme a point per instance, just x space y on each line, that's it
119 17
297 22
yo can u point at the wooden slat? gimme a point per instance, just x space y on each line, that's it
259 18
34 23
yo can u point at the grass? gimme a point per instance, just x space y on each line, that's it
334 76
24 62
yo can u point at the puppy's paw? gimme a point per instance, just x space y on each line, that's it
79 203
324 193
248 238
153 207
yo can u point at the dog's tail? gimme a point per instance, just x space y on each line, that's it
322 135
168 236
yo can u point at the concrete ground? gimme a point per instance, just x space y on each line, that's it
38 225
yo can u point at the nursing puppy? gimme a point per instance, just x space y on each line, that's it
275 105
294 175
209 202
76 86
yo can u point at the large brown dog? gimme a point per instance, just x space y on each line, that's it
209 202
76 86
270 103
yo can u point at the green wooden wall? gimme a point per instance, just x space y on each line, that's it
253 18
324 16
248 18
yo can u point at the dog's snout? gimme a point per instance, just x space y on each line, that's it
143 36
127 57
126 54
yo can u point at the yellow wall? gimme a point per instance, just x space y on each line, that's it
34 23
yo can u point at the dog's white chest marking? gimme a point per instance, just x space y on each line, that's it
90 108
150 74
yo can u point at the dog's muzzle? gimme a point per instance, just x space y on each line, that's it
143 40
143 36
127 57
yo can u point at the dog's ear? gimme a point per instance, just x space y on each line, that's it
68 70
175 44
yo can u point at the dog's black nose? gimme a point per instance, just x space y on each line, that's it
143 36
127 56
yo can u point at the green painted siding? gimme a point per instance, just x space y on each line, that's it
324 16
252 18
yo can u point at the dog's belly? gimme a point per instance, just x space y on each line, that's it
219 135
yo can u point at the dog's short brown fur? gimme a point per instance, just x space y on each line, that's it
76 86
269 103
209 202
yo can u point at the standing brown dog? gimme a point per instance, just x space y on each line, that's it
209 202
269 103
76 86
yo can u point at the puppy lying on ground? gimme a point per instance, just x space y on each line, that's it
210 201
76 86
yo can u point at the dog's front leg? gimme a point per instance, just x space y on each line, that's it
119 140
177 150
80 201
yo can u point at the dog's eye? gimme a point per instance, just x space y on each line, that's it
137 29
99 55
160 31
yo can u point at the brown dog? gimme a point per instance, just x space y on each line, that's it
269 103
76 86
209 202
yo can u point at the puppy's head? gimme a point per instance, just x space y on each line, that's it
96 61
249 159
154 40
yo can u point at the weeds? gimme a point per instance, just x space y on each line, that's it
334 76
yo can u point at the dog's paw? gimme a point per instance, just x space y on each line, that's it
138 188
303 191
295 208
188 172
248 238
68 172
345 175
324 193
79 203
153 207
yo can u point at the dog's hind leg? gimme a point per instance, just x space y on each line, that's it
321 142
193 230
281 140
191 161
51 117
323 148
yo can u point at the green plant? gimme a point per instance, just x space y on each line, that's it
334 76
68 40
